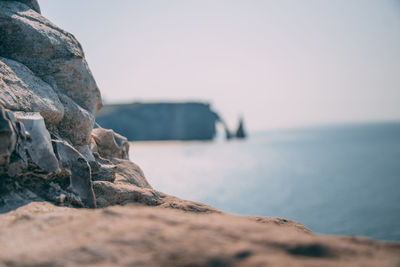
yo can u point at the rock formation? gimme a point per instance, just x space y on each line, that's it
48 102
161 121
49 153
240 132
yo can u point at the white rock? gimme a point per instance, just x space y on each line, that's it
38 144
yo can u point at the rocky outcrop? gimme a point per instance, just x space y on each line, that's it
48 101
161 121
56 58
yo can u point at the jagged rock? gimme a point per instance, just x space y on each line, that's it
58 60
86 151
45 81
38 144
102 169
7 139
130 173
19 158
108 194
117 193
81 178
77 123
21 90
56 55
110 144
119 171
33 4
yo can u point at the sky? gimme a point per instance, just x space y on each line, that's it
277 63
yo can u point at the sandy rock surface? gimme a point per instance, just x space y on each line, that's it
40 234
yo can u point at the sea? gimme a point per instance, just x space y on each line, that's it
336 180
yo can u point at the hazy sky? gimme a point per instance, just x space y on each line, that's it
279 63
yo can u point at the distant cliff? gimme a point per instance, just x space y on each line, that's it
160 121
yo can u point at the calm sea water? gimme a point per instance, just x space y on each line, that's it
335 180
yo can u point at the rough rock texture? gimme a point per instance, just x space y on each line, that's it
8 139
48 100
81 177
147 236
56 57
110 144
77 123
38 145
20 89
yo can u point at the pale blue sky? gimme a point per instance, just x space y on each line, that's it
279 63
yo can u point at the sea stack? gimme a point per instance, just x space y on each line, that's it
240 132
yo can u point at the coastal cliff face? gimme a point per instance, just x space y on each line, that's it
53 161
160 121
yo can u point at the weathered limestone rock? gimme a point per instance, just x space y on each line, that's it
50 99
102 169
77 123
38 143
51 63
21 90
56 55
48 146
81 178
19 158
110 144
29 164
109 194
7 139
129 173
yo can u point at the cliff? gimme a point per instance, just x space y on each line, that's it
160 121
54 166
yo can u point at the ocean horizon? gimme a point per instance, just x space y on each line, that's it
335 179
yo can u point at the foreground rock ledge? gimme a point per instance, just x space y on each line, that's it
40 234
